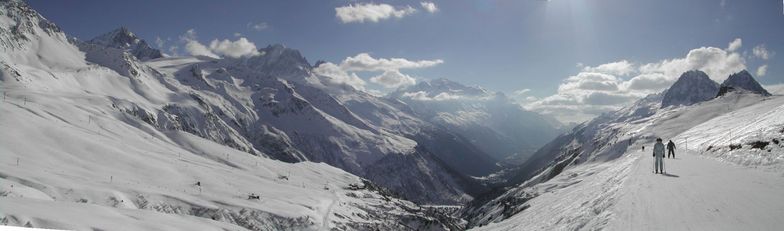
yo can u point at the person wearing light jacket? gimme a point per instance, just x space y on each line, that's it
658 154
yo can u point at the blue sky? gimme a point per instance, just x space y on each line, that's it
504 45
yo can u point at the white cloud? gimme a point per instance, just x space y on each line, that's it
590 81
649 82
717 63
375 92
194 47
190 34
423 96
583 96
217 48
446 96
365 62
174 50
235 49
237 34
622 67
607 98
336 75
419 95
393 79
390 76
735 44
760 51
762 70
258 26
596 90
159 42
370 12
429 6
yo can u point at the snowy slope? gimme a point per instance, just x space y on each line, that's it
286 112
95 155
750 136
267 105
599 178
97 127
697 194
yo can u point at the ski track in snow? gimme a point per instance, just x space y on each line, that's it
717 190
699 194
325 221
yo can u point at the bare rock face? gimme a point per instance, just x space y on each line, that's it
742 81
692 87
123 39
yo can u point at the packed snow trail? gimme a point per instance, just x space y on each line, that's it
698 193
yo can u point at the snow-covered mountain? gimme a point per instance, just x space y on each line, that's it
489 120
742 81
92 130
692 87
123 39
270 106
278 106
597 176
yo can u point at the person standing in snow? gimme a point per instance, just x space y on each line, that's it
670 149
658 154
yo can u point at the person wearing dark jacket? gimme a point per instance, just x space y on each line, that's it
670 149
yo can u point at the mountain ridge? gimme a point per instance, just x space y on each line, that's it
122 38
691 87
742 81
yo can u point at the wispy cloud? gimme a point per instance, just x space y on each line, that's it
390 76
762 70
429 7
365 62
258 26
735 44
622 67
159 42
521 92
762 52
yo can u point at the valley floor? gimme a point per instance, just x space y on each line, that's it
698 193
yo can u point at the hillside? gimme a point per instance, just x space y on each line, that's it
95 138
601 178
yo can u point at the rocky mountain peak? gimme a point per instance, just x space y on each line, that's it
742 81
122 38
691 87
